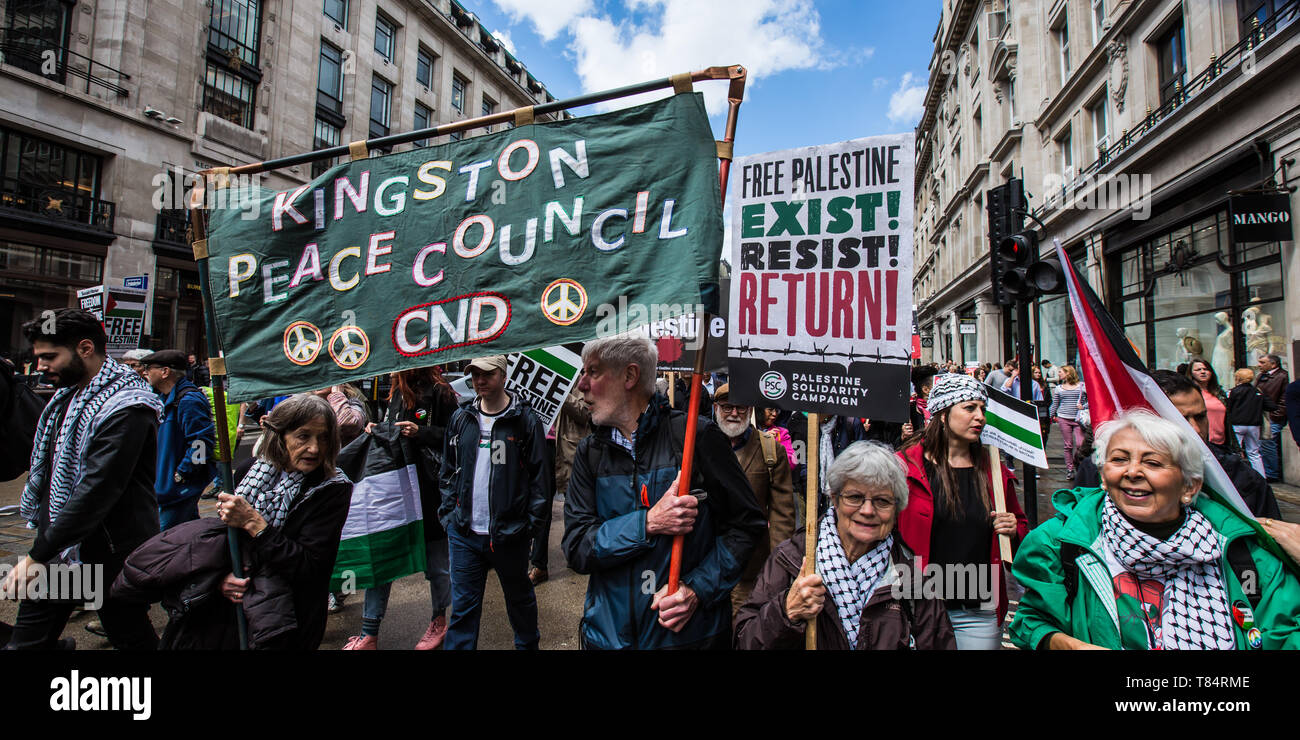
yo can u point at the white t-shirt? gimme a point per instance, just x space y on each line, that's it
480 507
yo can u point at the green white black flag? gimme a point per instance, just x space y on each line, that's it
1012 425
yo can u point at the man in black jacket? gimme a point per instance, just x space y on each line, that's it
496 471
90 493
621 511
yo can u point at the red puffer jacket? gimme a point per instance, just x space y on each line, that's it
915 521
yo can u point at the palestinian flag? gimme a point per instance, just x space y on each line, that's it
1117 380
383 537
1012 426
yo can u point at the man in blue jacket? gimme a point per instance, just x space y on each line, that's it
187 442
621 512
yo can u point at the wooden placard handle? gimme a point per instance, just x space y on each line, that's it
810 516
999 498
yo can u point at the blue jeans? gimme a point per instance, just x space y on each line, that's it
178 513
976 629
1271 449
436 571
471 557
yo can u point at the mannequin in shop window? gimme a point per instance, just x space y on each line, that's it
1221 360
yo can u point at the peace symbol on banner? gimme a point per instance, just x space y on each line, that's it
350 347
563 302
302 342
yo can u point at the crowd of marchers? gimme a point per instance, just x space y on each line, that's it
1137 556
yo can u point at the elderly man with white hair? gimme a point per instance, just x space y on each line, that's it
1148 561
622 511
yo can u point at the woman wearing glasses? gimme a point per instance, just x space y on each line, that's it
860 590
952 523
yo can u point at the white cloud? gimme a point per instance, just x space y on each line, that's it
879 83
658 38
766 36
548 18
908 102
504 39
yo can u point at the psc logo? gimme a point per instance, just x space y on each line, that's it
772 385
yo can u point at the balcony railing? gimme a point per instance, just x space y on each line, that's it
1244 49
171 227
56 204
18 49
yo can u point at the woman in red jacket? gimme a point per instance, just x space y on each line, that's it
951 521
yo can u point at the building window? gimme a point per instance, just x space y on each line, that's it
1100 128
381 97
423 117
1098 20
489 107
1062 33
232 74
329 89
458 87
337 11
31 28
456 136
1065 148
424 68
234 29
1171 52
1253 13
385 37
51 180
327 135
228 96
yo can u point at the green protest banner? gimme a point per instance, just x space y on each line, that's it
499 243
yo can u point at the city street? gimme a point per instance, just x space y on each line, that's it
559 600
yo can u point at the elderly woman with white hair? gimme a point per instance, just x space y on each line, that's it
862 566
1148 562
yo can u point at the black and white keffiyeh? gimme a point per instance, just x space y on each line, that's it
1195 614
849 584
58 451
274 491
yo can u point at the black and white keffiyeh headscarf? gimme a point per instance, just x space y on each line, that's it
58 451
1195 614
274 491
849 584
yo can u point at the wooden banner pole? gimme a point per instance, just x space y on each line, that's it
810 516
999 498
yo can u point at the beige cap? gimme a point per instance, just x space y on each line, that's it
489 363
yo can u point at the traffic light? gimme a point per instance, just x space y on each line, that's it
1015 256
1005 207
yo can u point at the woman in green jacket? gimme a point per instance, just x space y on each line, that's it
1146 562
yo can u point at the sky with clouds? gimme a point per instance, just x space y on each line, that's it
820 71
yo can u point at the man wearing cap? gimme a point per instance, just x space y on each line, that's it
768 470
131 358
187 443
495 474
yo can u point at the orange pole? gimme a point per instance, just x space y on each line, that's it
735 93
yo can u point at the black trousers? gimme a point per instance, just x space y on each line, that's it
539 556
40 622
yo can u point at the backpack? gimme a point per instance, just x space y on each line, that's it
20 410
767 441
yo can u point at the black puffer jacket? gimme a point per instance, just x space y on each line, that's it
289 567
519 481
432 412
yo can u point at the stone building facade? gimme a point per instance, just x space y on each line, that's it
107 105
1132 125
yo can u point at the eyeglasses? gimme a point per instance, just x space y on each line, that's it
878 503
729 409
